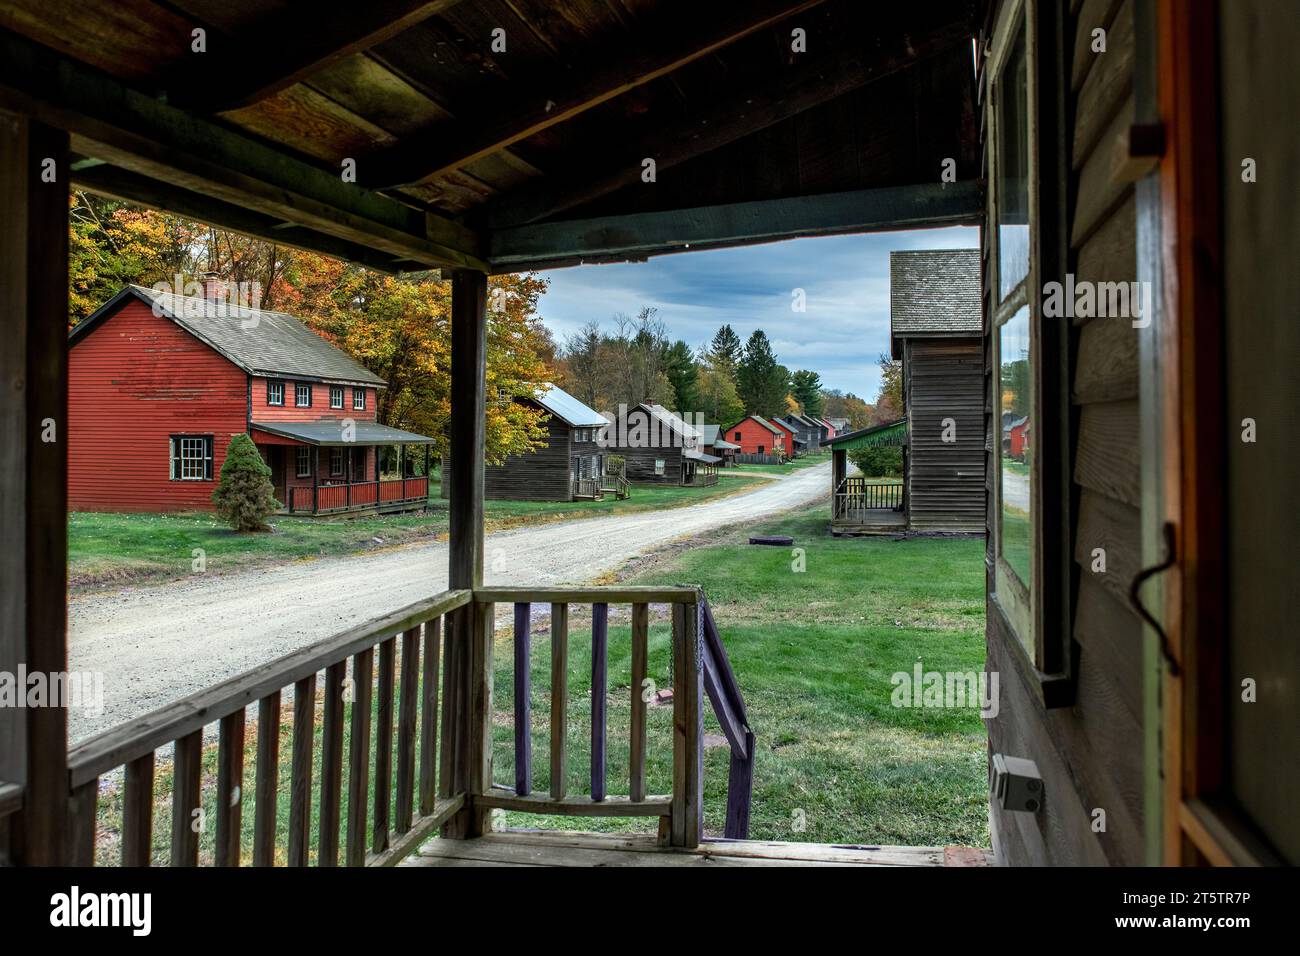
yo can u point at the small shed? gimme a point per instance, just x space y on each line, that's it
570 465
867 504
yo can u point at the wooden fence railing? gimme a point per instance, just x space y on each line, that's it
398 690
372 837
860 494
357 495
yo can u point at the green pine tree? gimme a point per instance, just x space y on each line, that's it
244 496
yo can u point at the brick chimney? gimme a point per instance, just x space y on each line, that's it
214 287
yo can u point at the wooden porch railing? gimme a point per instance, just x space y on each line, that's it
357 495
371 836
586 488
443 782
859 494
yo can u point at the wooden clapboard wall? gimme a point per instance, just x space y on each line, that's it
945 479
541 475
1090 754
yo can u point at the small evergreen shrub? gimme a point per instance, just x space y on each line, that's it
244 496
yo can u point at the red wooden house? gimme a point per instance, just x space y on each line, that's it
159 383
758 436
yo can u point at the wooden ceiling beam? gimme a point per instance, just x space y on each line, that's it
112 122
525 109
288 48
779 99
638 235
99 177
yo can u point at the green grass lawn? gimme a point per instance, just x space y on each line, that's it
813 652
109 548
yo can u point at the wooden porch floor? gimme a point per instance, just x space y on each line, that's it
564 848
870 521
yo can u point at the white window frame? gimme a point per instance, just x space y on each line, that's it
298 389
271 388
358 399
193 452
336 392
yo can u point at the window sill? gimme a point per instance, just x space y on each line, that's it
1051 690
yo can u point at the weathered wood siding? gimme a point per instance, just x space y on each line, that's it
944 379
133 382
320 403
1090 754
542 475
640 463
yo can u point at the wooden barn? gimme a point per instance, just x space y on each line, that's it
936 330
660 447
759 441
1139 611
159 382
712 443
569 466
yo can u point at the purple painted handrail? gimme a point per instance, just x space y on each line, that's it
723 691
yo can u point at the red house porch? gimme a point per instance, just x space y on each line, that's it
325 468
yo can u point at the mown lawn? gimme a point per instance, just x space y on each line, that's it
807 461
813 651
109 549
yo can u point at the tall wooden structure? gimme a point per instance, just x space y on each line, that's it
935 331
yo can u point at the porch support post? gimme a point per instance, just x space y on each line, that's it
469 641
34 174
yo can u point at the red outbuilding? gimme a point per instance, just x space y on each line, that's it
758 436
159 383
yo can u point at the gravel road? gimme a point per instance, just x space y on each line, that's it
158 643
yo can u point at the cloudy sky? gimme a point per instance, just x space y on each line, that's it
845 280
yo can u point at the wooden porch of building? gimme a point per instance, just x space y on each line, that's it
359 497
863 505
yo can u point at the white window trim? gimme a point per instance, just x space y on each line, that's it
270 391
358 399
336 390
296 387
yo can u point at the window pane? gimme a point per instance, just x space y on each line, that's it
1017 439
1012 160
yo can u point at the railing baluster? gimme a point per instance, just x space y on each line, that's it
599 697
640 641
688 727
187 764
384 747
230 788
523 702
406 723
429 717
559 698
363 665
304 725
268 779
82 805
331 769
137 812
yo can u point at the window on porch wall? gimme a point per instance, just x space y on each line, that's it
1013 320
303 462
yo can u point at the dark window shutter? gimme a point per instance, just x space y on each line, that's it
174 454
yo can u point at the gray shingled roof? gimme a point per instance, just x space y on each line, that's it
935 291
259 341
331 432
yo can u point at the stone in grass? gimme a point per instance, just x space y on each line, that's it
779 540
663 697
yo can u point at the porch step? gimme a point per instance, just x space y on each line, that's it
569 848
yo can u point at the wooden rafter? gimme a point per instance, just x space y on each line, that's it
725 122
498 125
109 121
286 50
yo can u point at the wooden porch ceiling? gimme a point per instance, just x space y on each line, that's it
502 160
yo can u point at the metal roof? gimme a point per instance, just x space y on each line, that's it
567 408
935 291
258 341
672 419
330 431
696 455
890 433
